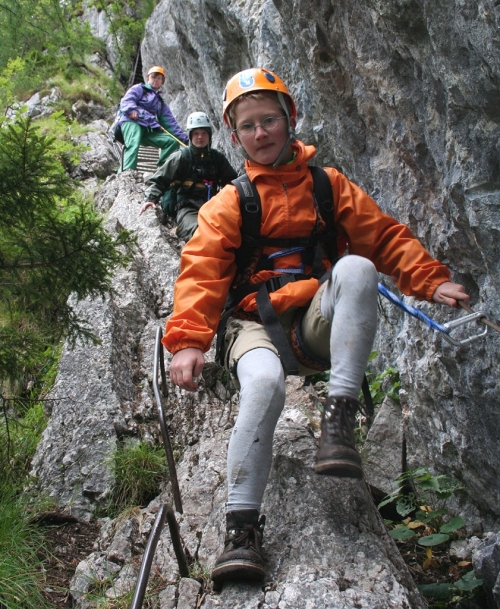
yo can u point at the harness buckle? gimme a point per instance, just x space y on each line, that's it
251 207
275 283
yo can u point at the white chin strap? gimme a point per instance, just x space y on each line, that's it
291 132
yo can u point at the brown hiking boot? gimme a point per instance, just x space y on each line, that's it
243 558
337 454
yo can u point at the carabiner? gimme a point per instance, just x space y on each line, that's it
454 323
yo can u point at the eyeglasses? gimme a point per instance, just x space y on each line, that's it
268 124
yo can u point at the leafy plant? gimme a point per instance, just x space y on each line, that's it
46 36
384 383
452 592
139 469
52 244
420 498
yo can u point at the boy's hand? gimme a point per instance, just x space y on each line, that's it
146 205
448 293
186 367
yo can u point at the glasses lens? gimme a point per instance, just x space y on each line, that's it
270 123
246 129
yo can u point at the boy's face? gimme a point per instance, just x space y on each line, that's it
200 138
156 80
261 146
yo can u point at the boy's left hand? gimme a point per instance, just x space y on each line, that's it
449 293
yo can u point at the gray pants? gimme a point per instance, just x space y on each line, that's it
187 220
349 310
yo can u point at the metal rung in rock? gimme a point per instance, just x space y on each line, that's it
147 158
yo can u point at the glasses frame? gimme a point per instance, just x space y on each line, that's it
261 124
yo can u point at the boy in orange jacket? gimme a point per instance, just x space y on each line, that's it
282 313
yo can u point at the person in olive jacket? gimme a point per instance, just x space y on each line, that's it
193 174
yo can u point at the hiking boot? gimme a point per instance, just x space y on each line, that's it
243 558
337 454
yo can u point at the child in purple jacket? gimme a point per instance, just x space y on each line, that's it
146 120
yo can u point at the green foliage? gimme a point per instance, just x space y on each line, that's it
87 84
19 437
20 575
466 583
61 132
13 68
426 526
139 470
46 34
52 244
127 21
427 489
383 384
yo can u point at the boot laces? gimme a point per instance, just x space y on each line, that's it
339 419
249 536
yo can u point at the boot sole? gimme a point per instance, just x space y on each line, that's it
237 571
339 469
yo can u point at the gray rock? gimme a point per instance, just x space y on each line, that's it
99 159
39 106
189 590
167 597
486 561
383 448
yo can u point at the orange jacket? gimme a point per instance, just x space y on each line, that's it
208 259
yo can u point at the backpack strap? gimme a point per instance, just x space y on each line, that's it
251 209
323 194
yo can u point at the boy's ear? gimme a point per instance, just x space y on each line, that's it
293 122
235 140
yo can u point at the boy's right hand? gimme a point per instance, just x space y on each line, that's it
185 368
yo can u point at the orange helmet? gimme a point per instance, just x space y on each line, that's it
254 79
158 70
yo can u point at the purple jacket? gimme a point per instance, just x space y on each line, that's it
153 111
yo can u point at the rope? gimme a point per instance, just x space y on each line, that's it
173 137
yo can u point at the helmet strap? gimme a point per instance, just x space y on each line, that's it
291 131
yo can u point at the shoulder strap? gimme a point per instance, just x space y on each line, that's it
323 193
251 210
186 163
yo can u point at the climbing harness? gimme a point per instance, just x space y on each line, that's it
448 326
311 248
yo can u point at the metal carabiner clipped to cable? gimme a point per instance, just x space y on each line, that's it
454 323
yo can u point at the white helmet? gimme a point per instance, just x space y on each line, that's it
198 120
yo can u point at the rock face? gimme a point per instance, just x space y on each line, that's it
402 96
